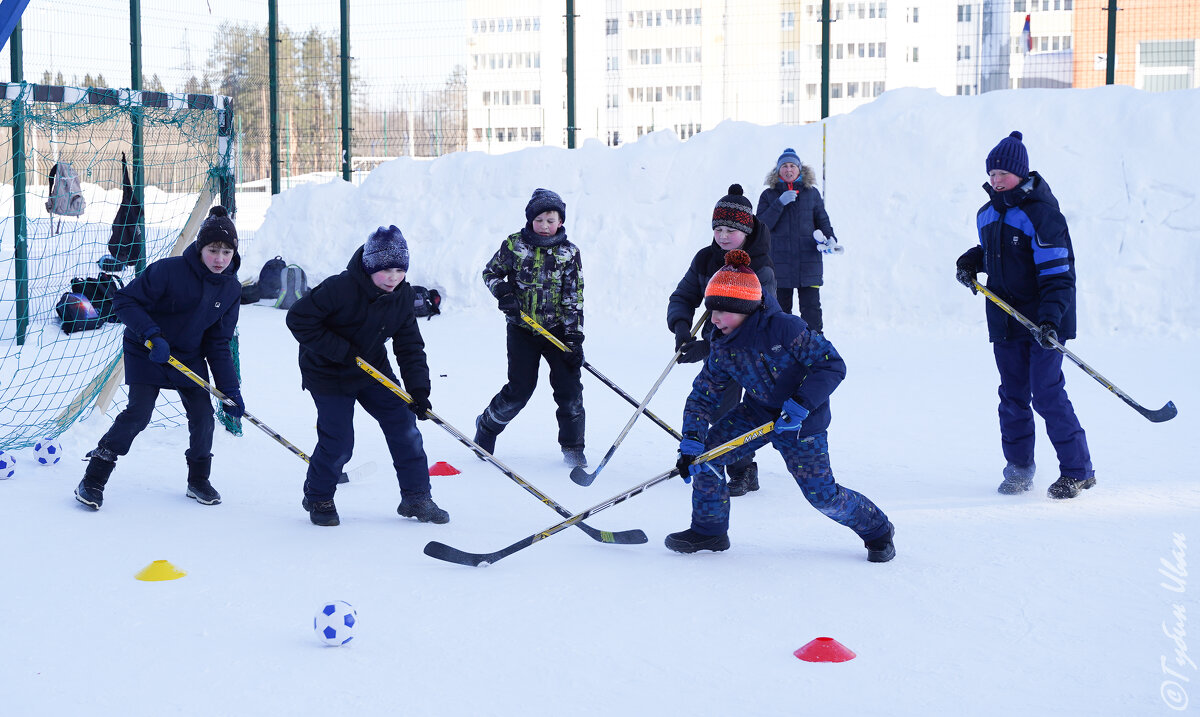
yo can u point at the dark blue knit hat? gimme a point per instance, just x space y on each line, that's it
217 227
789 155
385 249
1010 156
543 200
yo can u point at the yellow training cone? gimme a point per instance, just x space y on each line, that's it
160 570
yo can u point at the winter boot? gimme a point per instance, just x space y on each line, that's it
199 489
881 549
321 512
742 481
574 457
1017 479
90 491
485 438
1066 487
422 508
689 541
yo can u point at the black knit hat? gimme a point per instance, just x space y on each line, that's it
385 249
543 200
734 211
217 227
1010 156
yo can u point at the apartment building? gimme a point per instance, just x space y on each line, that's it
1156 44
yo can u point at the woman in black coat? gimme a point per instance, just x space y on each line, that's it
792 207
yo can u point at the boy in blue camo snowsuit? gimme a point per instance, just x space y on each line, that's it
788 374
1025 249
538 271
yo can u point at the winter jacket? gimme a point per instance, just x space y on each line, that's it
347 316
689 293
1025 249
545 272
196 312
796 254
774 357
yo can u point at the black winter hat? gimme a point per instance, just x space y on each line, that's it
734 211
217 227
543 200
385 249
1010 156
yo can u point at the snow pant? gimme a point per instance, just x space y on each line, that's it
1028 371
335 440
525 351
136 416
807 459
729 401
808 300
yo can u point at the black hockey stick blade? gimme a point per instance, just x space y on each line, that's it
623 537
441 551
1165 413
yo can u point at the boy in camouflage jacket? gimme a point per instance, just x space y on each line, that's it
538 271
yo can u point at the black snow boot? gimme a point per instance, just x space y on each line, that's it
199 489
689 541
1066 487
574 457
321 512
1017 479
485 437
90 491
742 481
881 549
422 508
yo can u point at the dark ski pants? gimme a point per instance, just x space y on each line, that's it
335 440
136 416
808 300
525 351
729 401
807 459
1028 371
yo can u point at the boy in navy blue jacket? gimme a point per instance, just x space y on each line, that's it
788 374
349 315
187 307
1025 249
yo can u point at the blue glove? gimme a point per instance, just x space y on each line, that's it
788 197
689 450
160 350
238 410
791 417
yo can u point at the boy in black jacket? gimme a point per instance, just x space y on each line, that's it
190 301
349 315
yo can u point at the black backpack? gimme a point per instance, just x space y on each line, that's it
270 280
426 302
125 245
89 303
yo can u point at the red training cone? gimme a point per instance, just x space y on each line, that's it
825 649
442 468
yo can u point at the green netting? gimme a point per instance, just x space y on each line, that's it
48 378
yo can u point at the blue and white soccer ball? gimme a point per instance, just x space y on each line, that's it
8 465
335 622
48 452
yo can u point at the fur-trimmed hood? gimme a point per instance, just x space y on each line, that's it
808 177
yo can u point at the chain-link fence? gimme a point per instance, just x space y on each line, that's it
429 77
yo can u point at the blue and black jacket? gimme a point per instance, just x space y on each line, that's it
1025 249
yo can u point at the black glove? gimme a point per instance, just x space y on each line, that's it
160 350
968 268
574 342
506 299
239 409
1046 334
694 351
683 334
420 403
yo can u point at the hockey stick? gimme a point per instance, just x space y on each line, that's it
603 379
625 537
343 478
579 474
441 551
1165 413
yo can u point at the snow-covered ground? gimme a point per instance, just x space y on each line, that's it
994 604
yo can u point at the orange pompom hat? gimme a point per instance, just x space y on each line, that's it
735 286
